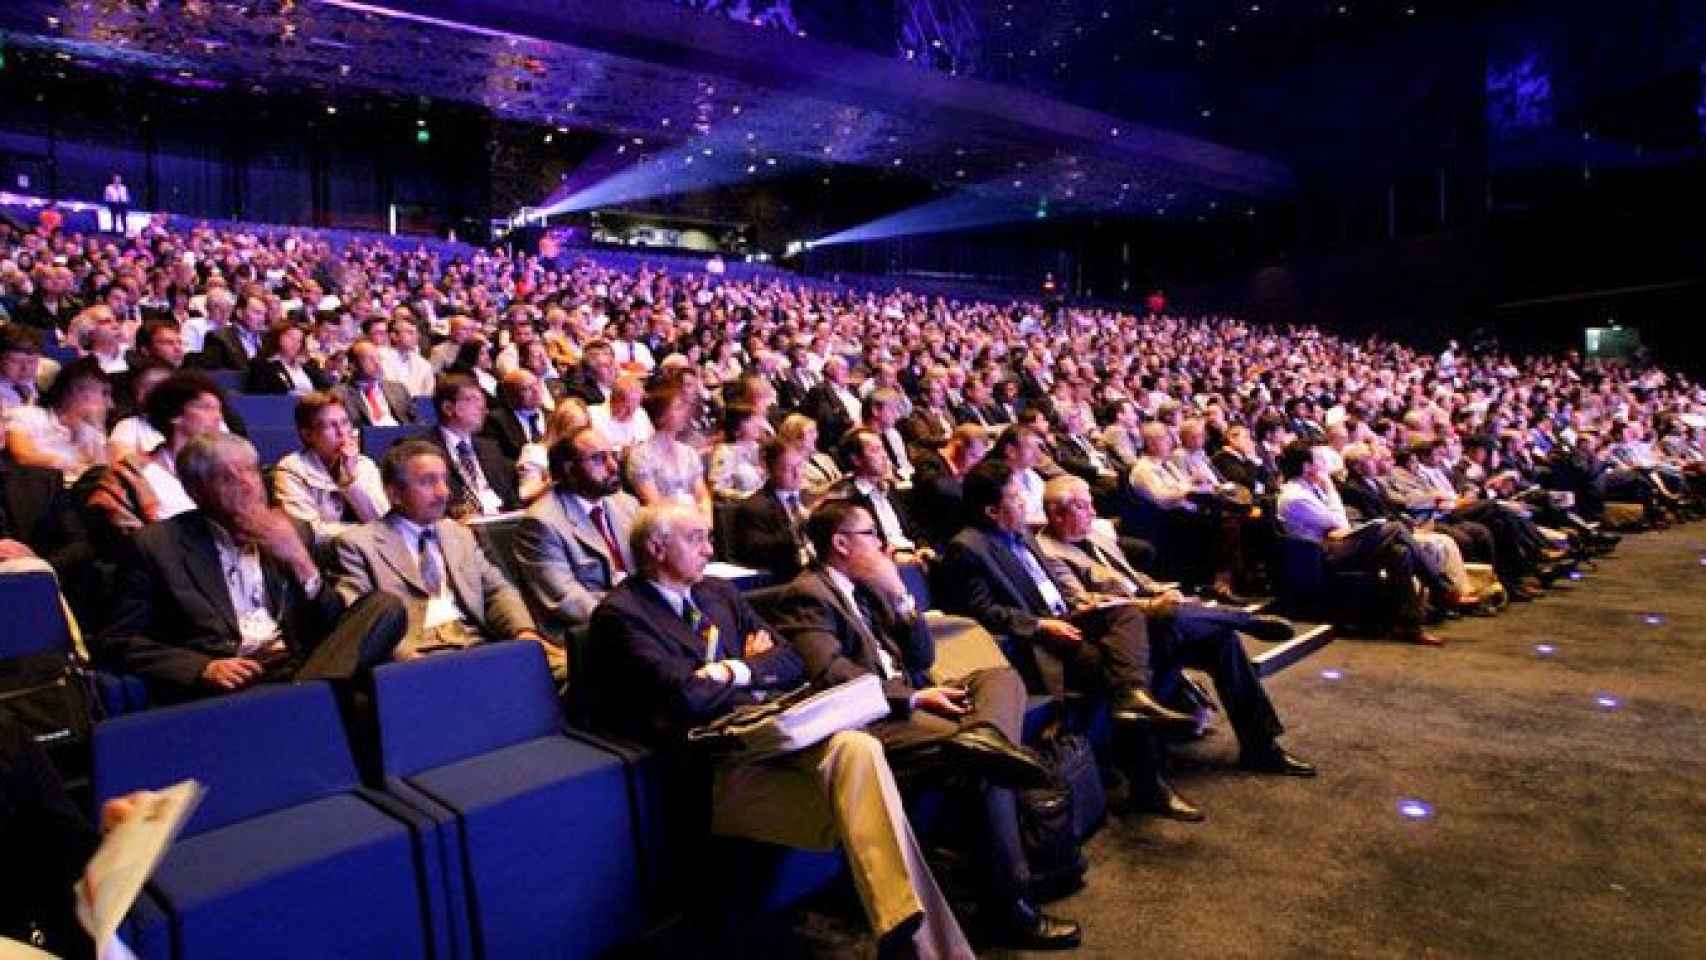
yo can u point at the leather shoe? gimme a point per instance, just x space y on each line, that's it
1024 927
1166 802
1222 593
983 749
1418 636
1269 629
1133 706
1272 758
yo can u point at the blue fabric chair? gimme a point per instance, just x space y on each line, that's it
287 856
230 381
1305 589
423 410
376 440
264 410
539 825
273 444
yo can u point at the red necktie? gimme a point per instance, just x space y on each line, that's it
602 522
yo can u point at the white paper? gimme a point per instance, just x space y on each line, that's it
127 858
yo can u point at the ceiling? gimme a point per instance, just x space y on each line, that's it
693 100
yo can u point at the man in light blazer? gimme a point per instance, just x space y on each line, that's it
571 547
454 595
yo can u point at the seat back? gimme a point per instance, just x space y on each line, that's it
451 706
376 440
35 621
273 444
264 410
229 381
255 752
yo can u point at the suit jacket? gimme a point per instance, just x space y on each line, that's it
34 313
499 471
642 656
174 613
269 376
39 513
374 556
821 404
562 559
504 428
396 397
988 415
938 499
1247 474
762 535
928 428
1079 574
1365 498
989 585
837 645
222 350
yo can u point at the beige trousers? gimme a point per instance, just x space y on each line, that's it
1443 556
842 791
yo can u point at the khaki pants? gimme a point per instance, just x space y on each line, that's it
842 791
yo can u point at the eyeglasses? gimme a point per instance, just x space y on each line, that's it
867 532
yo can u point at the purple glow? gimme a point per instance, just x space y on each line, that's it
1332 674
1575 574
1607 702
1653 619
1414 809
1545 649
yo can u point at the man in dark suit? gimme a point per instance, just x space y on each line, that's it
831 404
671 650
938 497
227 595
931 423
995 573
849 615
768 530
232 346
980 407
597 374
372 400
870 484
518 419
1091 571
51 306
482 481
1238 461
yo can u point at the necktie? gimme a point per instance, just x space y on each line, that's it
1040 579
470 467
796 522
431 576
702 628
1113 564
601 520
375 405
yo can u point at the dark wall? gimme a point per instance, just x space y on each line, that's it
227 152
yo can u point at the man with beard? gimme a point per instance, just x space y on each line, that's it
571 547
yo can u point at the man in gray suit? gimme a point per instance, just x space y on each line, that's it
454 595
571 547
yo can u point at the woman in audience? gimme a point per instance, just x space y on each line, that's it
143 487
282 365
67 432
821 470
134 434
737 470
665 467
328 484
533 472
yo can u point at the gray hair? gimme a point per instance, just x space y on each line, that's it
202 457
656 524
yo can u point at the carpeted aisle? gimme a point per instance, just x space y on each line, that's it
1561 827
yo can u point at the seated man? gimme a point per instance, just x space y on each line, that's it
768 530
882 415
454 596
939 496
1198 522
1363 497
1310 508
849 615
227 595
571 547
870 484
519 417
328 484
482 482
672 650
994 569
372 400
1182 633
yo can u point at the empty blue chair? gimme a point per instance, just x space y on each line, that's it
376 440
264 410
273 444
287 856
540 825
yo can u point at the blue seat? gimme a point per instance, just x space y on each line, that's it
60 354
1305 589
35 622
229 381
284 836
540 825
264 410
376 440
423 409
273 444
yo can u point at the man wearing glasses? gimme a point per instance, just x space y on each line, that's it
571 547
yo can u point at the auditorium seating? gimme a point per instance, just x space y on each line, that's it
539 825
1305 589
264 410
273 444
376 440
287 855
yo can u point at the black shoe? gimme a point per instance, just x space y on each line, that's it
898 944
984 750
1223 594
1023 927
1273 759
1268 628
1137 708
1166 802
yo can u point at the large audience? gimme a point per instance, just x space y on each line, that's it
1094 493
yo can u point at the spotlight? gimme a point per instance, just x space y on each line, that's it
1331 674
1414 809
1544 649
1607 702
1653 619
